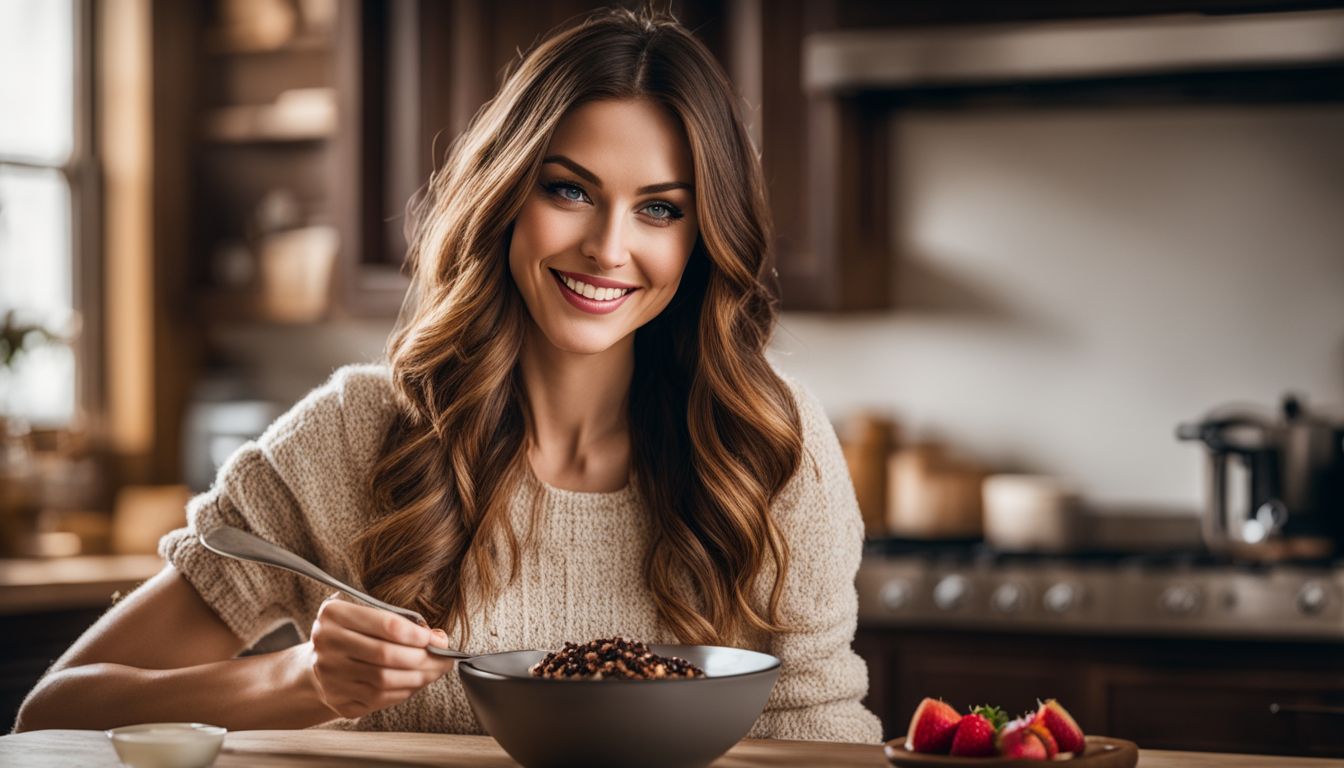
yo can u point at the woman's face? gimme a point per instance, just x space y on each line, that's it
600 244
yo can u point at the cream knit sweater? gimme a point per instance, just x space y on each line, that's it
301 485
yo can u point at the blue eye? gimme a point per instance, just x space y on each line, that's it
570 193
663 211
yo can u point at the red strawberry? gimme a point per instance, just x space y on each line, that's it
1019 741
1060 724
933 727
975 737
1051 746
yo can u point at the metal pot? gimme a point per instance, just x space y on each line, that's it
1313 471
1275 485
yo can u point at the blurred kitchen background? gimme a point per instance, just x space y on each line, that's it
1067 275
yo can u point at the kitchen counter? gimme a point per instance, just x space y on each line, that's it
294 749
30 585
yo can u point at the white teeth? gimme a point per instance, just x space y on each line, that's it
593 292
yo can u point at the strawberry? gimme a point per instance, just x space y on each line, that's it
1054 718
933 727
1051 746
976 732
1018 740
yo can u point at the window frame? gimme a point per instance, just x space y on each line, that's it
80 171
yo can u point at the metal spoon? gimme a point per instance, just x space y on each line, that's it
241 545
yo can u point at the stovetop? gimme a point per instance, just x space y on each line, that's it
973 551
967 585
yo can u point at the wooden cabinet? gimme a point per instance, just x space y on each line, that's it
1220 709
827 153
824 160
291 163
1162 693
408 76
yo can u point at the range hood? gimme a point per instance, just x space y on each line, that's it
1069 50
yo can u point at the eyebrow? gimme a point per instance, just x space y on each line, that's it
591 177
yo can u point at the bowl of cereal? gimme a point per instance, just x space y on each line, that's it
616 702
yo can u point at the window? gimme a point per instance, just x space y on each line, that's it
45 185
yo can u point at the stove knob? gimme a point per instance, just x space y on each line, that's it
895 594
1009 598
1062 597
1312 598
1180 600
951 592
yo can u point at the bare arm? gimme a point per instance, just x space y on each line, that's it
163 655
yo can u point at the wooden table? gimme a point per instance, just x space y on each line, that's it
345 749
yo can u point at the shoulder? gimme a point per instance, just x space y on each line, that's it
822 456
349 413
812 420
820 488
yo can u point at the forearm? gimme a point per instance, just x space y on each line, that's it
269 691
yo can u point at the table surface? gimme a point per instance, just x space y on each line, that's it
300 749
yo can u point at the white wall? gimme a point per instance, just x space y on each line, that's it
1071 284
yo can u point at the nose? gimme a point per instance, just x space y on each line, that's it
604 244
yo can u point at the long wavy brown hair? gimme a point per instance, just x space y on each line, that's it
715 433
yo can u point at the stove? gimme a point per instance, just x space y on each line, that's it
1188 594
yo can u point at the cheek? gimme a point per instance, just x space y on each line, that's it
523 245
670 260
538 233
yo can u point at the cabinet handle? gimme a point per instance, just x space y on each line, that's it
1304 709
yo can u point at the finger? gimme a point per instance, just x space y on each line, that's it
377 623
438 664
439 638
370 650
384 679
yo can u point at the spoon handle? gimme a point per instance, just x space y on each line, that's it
241 545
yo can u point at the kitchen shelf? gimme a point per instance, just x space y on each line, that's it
234 308
303 114
218 44
215 135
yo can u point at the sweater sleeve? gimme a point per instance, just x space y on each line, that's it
297 486
822 680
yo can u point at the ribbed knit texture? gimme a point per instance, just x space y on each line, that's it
302 485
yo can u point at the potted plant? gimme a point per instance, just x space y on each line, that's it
18 471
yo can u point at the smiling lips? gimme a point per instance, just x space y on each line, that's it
593 295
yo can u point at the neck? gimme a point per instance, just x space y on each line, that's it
578 433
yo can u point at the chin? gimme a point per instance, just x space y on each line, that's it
582 341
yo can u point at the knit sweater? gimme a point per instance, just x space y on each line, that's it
303 485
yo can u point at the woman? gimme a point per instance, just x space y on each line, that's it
577 435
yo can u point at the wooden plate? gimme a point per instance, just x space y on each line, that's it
1100 752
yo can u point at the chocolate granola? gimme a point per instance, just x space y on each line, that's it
613 657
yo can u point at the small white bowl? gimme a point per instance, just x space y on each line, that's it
167 745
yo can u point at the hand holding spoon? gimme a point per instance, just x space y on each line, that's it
241 545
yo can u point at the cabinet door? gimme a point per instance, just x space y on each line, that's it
825 159
1163 693
1226 710
968 669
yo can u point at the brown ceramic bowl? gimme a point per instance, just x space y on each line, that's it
680 723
